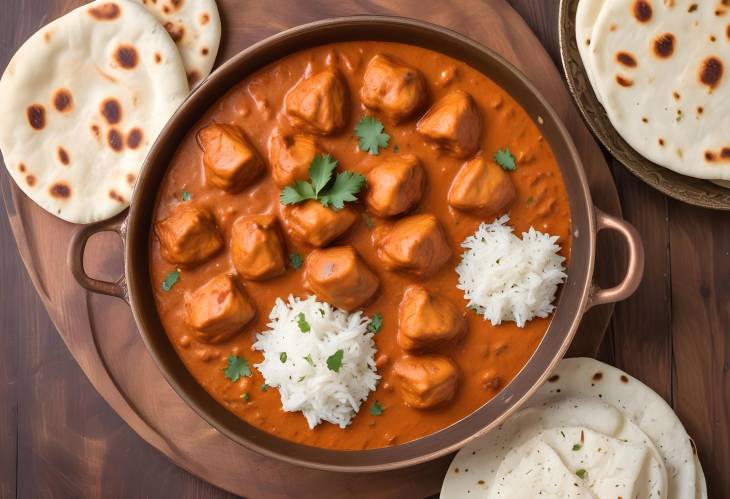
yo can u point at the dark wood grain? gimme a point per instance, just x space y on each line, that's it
59 438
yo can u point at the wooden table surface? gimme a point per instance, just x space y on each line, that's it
59 438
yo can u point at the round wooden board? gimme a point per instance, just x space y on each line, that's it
100 331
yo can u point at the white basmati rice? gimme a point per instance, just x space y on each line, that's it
295 362
506 278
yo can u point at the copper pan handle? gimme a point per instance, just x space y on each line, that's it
635 269
75 258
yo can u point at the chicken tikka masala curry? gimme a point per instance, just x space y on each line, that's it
414 136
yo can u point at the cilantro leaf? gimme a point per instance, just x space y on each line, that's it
376 409
322 187
185 196
581 473
334 361
282 357
505 159
309 360
264 387
237 368
170 280
320 172
296 260
304 326
370 132
346 185
376 323
368 221
577 447
246 397
296 193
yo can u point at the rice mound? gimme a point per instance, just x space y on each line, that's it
506 278
304 380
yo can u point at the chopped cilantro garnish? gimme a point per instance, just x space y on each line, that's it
246 397
237 367
264 387
282 357
370 132
309 360
304 326
322 187
301 378
170 280
530 200
376 323
505 159
185 196
376 409
334 361
368 221
321 312
396 149
577 446
581 473
296 260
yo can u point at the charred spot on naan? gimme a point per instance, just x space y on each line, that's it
172 6
204 51
642 11
134 138
36 116
627 59
30 179
722 156
21 167
63 100
130 178
63 156
116 196
204 18
176 31
116 141
664 45
126 56
60 190
623 81
105 12
111 110
158 58
711 72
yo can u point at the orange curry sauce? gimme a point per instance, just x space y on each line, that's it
488 357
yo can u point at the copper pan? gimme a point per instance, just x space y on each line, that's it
577 295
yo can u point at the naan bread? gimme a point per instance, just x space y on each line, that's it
585 18
195 26
662 71
81 103
588 394
584 377
485 468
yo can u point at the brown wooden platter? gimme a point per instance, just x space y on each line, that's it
100 331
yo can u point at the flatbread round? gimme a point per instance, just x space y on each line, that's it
82 101
585 18
195 26
600 398
662 71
